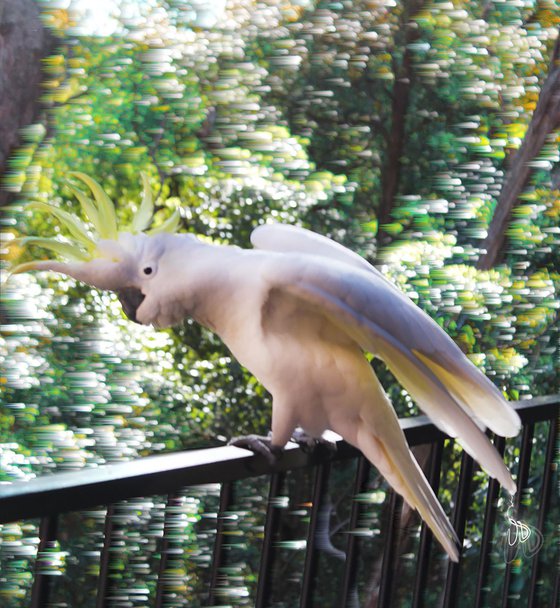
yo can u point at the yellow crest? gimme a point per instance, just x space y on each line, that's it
99 212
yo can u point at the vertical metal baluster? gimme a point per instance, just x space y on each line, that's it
459 521
544 506
426 534
349 580
271 526
322 473
226 498
390 556
490 512
173 500
105 558
42 583
556 591
522 476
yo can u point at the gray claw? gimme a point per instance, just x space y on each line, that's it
259 445
308 443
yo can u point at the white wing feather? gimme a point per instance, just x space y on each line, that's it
422 341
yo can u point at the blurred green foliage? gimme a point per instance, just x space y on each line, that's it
282 111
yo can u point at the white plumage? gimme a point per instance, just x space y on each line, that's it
299 311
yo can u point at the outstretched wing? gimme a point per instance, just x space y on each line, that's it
285 238
423 358
424 342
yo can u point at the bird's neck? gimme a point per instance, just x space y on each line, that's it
216 285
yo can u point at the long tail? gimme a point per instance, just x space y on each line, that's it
435 396
395 461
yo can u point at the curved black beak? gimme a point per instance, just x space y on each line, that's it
130 298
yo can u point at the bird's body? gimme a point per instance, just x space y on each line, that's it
276 336
265 307
300 312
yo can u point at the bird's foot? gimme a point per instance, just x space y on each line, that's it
308 443
259 445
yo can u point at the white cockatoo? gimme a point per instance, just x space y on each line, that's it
299 311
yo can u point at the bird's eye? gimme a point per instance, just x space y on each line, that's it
148 268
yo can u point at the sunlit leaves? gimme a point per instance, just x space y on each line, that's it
283 111
285 114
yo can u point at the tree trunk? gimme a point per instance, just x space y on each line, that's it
24 42
397 136
546 118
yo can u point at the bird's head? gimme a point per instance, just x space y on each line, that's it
100 252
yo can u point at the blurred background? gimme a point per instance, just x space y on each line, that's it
422 134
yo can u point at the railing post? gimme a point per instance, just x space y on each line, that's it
173 501
349 580
322 473
272 522
390 555
487 532
103 586
546 491
459 520
226 498
522 476
42 583
426 535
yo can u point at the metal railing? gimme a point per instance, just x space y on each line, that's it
47 497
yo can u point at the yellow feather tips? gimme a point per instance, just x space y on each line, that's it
88 207
20 268
170 225
107 227
67 250
74 226
143 216
101 216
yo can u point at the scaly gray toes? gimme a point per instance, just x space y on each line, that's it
259 445
308 443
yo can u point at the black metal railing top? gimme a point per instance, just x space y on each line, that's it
88 488
393 580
